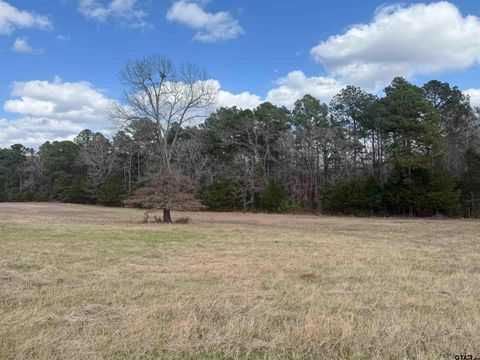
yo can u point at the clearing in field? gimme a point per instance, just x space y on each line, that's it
87 282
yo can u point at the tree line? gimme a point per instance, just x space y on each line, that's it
415 151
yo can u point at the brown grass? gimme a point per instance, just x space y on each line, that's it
87 282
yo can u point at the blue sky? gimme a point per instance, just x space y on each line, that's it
60 58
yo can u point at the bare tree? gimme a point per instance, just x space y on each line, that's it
33 171
166 97
98 157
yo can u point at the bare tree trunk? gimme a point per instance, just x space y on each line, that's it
138 166
166 216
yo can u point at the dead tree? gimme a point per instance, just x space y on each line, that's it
164 96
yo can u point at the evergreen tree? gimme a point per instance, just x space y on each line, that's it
223 195
471 183
414 142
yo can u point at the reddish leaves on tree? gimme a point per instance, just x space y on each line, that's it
167 191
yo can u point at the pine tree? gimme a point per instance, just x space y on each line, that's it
413 137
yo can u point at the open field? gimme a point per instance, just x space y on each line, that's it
86 282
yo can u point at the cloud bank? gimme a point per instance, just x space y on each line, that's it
420 39
52 111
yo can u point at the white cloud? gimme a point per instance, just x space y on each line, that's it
52 111
124 11
57 99
244 100
210 27
21 45
474 95
11 18
402 41
290 88
296 84
59 110
32 132
63 38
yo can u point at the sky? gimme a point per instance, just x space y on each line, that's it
60 59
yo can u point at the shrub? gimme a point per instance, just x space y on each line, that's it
19 195
61 186
356 197
77 194
424 193
273 197
222 196
112 193
289 206
443 196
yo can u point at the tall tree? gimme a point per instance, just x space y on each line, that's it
458 124
312 144
58 159
98 157
11 162
471 183
165 97
350 110
413 137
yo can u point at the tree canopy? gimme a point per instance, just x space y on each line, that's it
412 151
169 191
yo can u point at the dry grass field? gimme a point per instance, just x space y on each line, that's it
87 282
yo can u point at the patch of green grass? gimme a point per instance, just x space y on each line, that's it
171 236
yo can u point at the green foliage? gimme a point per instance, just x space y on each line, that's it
61 186
470 184
423 193
309 112
223 131
77 194
442 194
112 193
11 162
404 193
353 107
273 197
223 195
471 180
411 126
414 147
59 155
359 155
288 206
19 195
356 197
